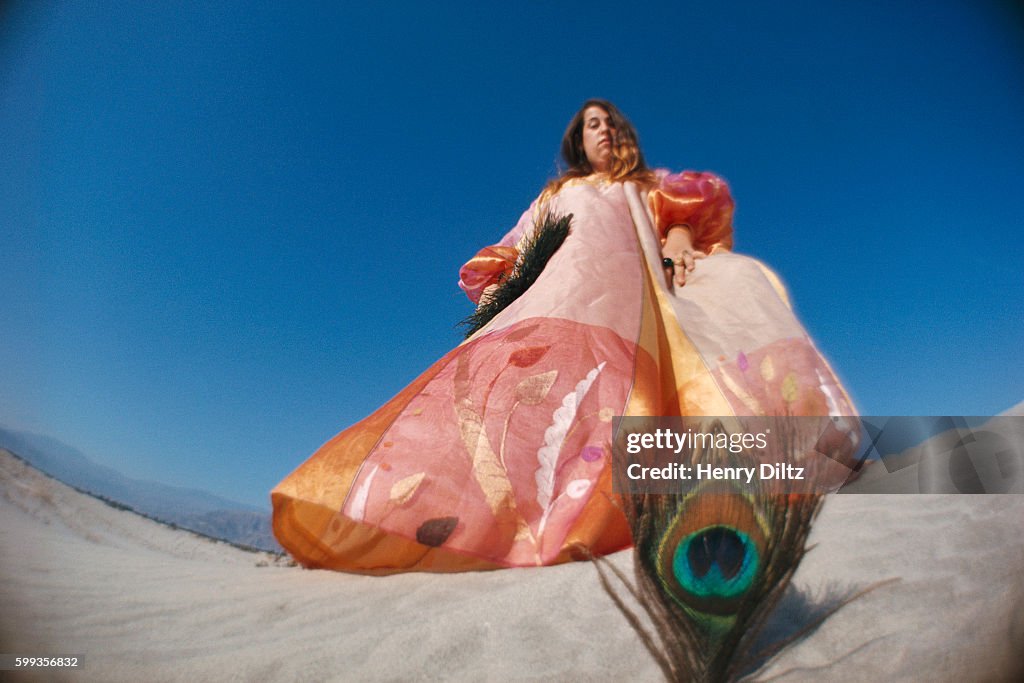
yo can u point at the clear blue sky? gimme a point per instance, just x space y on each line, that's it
228 232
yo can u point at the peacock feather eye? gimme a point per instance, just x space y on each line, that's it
716 562
710 555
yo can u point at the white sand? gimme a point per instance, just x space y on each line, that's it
144 602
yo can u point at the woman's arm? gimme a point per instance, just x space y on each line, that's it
693 216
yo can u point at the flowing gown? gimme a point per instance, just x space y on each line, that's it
499 454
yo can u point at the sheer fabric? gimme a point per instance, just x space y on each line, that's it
499 454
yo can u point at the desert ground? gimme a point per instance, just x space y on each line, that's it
142 601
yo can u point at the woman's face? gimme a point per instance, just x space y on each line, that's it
598 138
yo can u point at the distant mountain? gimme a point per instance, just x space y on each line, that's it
187 508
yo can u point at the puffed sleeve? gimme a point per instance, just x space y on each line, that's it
490 265
700 200
495 262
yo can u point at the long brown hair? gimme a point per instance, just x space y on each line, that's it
627 159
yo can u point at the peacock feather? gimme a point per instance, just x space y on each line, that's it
549 232
711 564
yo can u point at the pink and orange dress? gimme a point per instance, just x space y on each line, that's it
499 454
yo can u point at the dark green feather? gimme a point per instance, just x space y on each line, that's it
548 235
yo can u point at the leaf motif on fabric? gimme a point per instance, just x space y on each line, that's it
521 333
357 510
767 369
524 358
434 532
789 388
533 390
592 453
742 362
487 468
554 436
576 488
404 489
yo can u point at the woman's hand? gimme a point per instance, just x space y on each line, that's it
678 249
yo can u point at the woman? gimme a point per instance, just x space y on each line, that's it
499 454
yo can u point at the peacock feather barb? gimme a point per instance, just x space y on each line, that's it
711 564
549 232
